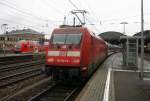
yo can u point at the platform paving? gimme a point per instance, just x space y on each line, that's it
94 89
128 87
127 84
124 84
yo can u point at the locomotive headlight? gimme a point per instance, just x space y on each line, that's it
76 61
73 53
84 68
50 60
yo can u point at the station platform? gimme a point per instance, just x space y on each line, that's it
113 82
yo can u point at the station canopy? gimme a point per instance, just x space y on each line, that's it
111 37
146 35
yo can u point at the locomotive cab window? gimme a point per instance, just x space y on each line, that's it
58 38
66 38
73 39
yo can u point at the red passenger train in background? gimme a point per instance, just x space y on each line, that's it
26 46
74 52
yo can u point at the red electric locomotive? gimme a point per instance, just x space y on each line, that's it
74 52
24 46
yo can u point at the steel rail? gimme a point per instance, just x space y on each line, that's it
23 76
20 73
13 67
11 60
65 93
33 98
69 96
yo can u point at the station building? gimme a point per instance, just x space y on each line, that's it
9 39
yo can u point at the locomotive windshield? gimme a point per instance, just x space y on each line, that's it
66 38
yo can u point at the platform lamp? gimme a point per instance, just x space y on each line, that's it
142 43
4 28
124 24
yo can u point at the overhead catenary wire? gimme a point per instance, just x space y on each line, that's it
93 25
90 23
21 12
89 10
21 17
14 4
101 21
7 4
31 21
85 17
34 25
42 19
25 25
50 5
36 19
26 16
73 4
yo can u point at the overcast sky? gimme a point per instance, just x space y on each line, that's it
44 15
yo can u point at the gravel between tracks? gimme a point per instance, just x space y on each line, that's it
19 70
16 86
9 90
27 92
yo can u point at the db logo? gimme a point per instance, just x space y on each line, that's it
64 46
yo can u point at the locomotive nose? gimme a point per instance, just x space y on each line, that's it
67 57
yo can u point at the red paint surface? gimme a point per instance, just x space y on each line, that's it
91 49
28 47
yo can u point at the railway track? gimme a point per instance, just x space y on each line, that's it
18 66
14 73
45 90
17 77
11 62
56 92
19 59
14 59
